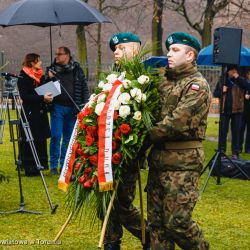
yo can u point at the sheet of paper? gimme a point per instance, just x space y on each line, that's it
52 87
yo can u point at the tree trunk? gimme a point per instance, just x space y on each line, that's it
99 43
207 29
99 51
157 28
82 48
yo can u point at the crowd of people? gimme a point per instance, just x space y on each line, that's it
176 156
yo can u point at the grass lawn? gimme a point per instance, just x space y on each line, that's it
222 212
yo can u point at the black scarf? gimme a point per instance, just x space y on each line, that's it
64 68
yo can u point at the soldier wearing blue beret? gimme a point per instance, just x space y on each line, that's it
177 156
125 45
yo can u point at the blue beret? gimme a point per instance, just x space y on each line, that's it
123 37
182 38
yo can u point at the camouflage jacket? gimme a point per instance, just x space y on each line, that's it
185 99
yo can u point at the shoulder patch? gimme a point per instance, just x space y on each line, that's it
195 87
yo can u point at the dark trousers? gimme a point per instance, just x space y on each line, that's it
245 137
27 158
124 213
235 130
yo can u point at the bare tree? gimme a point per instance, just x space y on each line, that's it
200 15
112 10
157 28
82 46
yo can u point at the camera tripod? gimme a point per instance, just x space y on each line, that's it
219 153
15 137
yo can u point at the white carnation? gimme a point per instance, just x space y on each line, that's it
99 107
137 115
134 92
117 104
107 87
143 79
111 78
92 99
138 97
101 98
126 83
101 84
124 98
92 96
124 111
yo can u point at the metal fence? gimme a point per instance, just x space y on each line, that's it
211 73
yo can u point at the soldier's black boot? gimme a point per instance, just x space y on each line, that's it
112 246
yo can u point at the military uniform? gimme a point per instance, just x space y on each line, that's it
124 213
176 160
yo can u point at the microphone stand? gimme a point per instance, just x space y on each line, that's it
67 93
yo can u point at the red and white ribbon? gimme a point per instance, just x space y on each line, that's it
105 132
69 160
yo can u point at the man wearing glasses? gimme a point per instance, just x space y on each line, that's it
74 93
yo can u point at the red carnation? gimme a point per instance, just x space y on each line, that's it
82 179
88 170
117 134
91 130
77 166
80 151
125 128
93 179
87 111
89 140
116 158
80 115
114 145
88 184
81 125
83 158
93 159
115 115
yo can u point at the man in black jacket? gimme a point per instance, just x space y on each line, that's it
65 106
232 107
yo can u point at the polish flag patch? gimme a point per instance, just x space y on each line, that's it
195 87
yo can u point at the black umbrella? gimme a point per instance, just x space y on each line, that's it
45 13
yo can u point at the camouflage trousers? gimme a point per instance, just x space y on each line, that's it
124 213
172 196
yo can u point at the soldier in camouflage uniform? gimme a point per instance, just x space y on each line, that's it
177 156
125 44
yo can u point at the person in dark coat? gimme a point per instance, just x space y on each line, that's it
232 107
245 122
31 76
66 105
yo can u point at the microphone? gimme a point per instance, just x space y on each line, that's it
5 74
53 71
